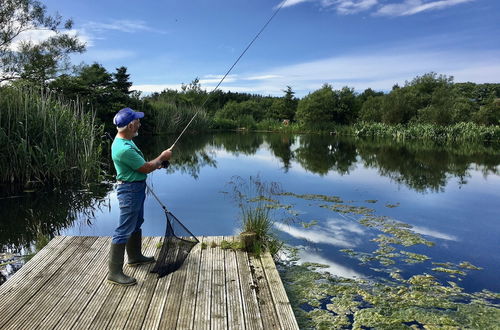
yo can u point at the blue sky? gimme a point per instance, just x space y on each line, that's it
356 43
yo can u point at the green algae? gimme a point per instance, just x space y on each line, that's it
348 209
449 271
421 301
309 224
468 265
315 197
358 304
391 206
413 258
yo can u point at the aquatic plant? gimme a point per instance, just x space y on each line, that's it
323 301
457 132
45 140
170 117
254 198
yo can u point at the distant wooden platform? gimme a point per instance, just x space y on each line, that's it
64 287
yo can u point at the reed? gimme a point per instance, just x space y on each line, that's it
45 140
253 198
171 118
459 132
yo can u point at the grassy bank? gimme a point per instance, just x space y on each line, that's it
45 140
458 132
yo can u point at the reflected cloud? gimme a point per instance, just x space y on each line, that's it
334 268
433 233
335 232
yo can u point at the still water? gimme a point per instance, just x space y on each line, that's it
448 194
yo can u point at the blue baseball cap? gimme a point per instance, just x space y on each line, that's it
125 116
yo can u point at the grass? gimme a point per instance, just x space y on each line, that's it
253 198
170 118
458 132
44 140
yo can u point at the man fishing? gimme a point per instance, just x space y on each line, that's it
131 174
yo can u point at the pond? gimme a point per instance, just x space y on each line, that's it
448 194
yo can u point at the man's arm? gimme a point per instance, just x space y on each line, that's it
155 164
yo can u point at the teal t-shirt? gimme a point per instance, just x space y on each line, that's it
127 159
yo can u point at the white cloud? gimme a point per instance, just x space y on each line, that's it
412 7
333 231
290 3
379 69
346 7
38 36
433 233
400 8
333 267
128 26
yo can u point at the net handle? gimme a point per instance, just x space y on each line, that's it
156 197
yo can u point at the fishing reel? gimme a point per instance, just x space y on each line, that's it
165 164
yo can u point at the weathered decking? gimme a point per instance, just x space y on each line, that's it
64 286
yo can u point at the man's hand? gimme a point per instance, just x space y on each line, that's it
166 154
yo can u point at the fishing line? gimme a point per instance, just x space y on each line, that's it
230 69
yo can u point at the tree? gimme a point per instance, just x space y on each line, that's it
121 80
316 108
372 109
36 62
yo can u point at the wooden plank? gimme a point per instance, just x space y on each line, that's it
188 302
266 306
35 264
96 282
114 297
253 318
33 283
214 289
73 297
282 304
235 315
170 315
218 316
154 313
137 314
35 310
203 292
128 301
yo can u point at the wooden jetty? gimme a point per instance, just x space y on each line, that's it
64 287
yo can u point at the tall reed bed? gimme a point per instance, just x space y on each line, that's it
458 132
43 139
172 118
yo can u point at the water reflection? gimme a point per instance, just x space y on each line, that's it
421 166
26 217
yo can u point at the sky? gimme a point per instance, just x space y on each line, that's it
356 43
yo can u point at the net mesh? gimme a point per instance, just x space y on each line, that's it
177 244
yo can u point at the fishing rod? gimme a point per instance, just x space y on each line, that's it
228 71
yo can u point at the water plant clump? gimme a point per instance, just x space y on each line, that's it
256 200
395 300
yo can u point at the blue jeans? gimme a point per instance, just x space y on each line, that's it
131 196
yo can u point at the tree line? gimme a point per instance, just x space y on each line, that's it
430 98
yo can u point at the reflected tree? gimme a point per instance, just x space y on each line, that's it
26 217
280 145
320 154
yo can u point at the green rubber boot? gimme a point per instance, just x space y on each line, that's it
135 257
115 275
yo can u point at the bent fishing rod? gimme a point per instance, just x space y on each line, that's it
225 75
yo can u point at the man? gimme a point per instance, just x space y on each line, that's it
131 174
